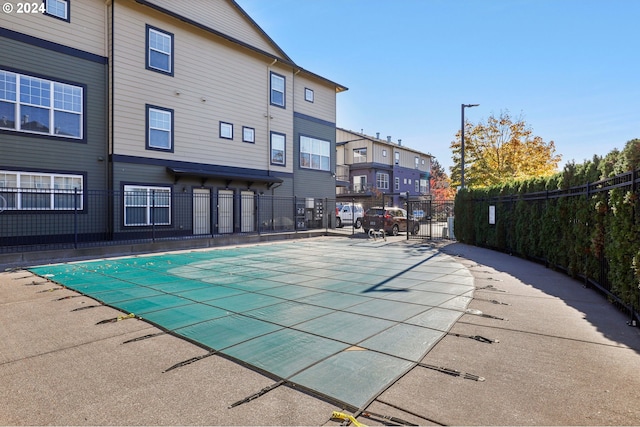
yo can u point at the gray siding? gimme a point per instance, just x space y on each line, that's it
35 153
307 182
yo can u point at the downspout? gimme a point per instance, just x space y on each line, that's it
109 41
293 135
268 117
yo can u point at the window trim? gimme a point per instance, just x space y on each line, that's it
67 3
252 140
51 189
228 126
397 183
130 188
52 109
309 95
148 146
379 180
310 167
284 90
284 150
147 57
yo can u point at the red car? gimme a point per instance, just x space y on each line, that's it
391 220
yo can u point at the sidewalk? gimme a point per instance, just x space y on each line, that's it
564 357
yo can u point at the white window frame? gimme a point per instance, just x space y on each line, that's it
278 149
226 130
21 94
52 191
278 85
308 94
397 184
165 125
417 161
382 181
57 8
140 196
248 134
161 50
315 153
416 185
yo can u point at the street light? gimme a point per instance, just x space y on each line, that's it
462 143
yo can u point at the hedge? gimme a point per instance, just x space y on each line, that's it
584 220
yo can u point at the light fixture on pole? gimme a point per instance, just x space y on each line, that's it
462 142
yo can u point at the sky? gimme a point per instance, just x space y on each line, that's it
569 68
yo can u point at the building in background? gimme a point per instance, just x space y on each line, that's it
368 167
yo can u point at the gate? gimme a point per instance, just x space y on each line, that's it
434 218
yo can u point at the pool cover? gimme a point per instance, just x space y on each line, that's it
340 318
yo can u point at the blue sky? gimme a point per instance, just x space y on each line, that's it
570 68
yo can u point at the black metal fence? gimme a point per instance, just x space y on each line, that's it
33 219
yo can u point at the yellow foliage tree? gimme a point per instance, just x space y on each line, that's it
500 150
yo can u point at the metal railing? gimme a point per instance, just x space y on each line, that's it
43 219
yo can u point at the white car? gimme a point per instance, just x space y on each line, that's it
349 214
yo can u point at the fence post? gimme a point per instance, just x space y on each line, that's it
153 218
75 218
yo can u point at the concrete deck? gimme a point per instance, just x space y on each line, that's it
565 356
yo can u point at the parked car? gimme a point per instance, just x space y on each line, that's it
348 214
391 220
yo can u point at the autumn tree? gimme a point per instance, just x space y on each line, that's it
440 183
502 149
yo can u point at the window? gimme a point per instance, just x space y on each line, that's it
359 155
417 162
248 134
226 130
40 191
382 181
308 94
384 153
417 186
58 9
159 128
277 90
278 153
159 50
397 184
315 153
145 205
423 186
397 157
35 105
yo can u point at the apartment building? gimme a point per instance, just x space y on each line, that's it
368 166
151 99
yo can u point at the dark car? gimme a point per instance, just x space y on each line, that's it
391 220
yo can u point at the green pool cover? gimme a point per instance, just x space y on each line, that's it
339 318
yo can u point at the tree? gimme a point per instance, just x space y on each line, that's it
440 183
501 150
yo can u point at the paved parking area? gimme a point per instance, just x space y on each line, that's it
550 352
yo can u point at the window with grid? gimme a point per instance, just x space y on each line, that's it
35 105
382 180
159 128
159 50
57 8
315 153
147 205
40 191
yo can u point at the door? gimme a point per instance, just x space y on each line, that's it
225 211
201 211
247 210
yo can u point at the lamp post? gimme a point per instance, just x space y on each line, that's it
462 143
